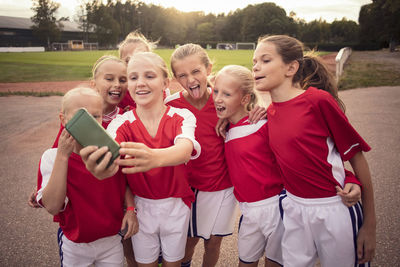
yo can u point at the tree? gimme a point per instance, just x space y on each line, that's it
46 27
379 22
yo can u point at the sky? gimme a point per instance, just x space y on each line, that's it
308 10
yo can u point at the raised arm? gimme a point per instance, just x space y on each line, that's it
54 193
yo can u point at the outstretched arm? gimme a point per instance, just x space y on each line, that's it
140 158
366 240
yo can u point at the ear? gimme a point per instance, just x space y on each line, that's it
166 83
292 68
245 100
62 118
209 68
92 84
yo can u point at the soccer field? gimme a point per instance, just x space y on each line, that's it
77 65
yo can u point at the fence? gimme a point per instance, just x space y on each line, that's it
21 49
341 59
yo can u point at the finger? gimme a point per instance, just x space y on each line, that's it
102 165
132 152
131 145
86 151
126 162
347 188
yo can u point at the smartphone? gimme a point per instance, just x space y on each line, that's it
88 132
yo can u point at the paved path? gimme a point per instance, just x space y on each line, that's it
29 124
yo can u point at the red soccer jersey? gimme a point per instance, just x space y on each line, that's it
209 172
252 165
311 137
165 182
107 118
94 208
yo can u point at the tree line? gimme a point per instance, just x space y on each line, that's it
108 23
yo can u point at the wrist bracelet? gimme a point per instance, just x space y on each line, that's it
131 209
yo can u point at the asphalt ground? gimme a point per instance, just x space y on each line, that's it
29 125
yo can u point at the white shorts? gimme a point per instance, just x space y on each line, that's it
162 223
260 230
321 227
105 251
213 213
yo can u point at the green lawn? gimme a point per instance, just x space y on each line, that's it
68 65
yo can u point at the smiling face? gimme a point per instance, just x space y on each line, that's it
228 98
146 80
269 70
111 83
192 74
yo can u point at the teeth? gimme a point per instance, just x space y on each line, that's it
220 109
194 87
115 93
142 92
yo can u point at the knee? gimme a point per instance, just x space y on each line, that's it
213 243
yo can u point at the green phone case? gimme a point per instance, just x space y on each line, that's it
88 132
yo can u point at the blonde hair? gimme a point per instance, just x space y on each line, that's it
136 37
311 72
103 59
245 77
78 91
189 50
153 59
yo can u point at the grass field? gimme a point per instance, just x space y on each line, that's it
69 66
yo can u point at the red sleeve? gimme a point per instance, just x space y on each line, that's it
351 178
347 141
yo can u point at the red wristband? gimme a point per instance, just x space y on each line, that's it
131 209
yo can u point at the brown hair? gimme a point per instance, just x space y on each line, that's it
245 77
189 50
311 72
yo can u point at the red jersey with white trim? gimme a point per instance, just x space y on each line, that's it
165 182
209 172
252 166
311 137
93 208
107 118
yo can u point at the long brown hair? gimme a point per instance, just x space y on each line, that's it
311 72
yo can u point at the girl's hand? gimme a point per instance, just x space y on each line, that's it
350 194
32 200
138 157
130 223
366 244
66 143
220 128
257 113
91 154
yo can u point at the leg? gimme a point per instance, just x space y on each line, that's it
171 264
269 263
253 264
211 250
189 249
153 264
128 252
